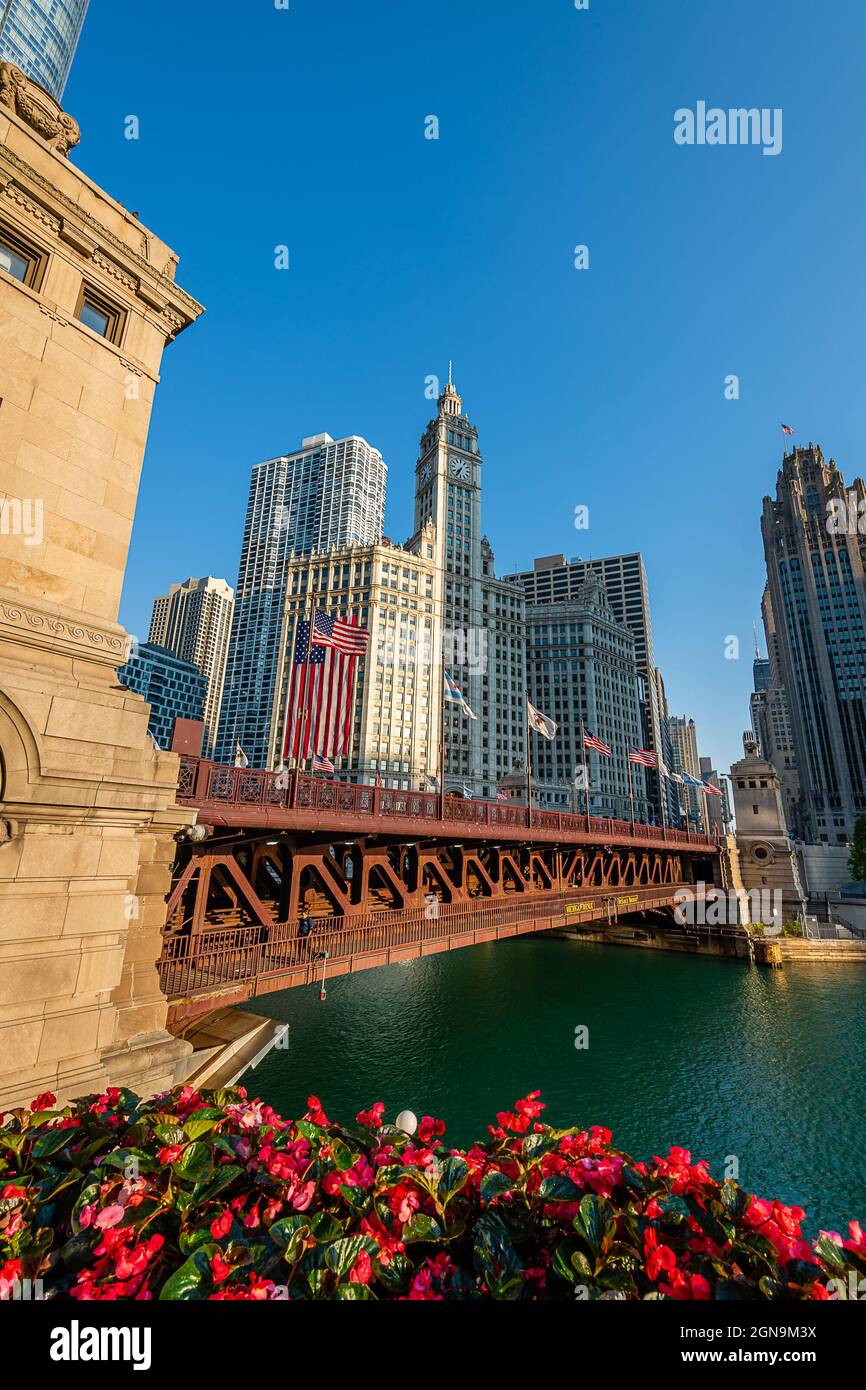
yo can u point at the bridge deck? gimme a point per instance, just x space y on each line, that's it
229 965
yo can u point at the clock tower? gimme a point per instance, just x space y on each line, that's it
448 492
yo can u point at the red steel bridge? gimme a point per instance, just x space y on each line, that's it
387 876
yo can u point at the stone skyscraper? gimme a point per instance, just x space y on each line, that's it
40 37
483 617
327 495
815 555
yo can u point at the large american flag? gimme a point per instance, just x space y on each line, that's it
322 690
345 636
590 741
644 757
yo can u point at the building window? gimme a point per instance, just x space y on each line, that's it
99 314
20 259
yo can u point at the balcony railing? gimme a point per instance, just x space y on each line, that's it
215 785
218 958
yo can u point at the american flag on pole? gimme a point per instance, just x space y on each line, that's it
644 757
787 429
321 764
590 741
713 791
344 636
322 688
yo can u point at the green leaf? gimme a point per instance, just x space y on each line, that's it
595 1222
421 1227
325 1227
453 1177
734 1199
496 1259
395 1275
562 1263
191 1279
222 1178
494 1184
559 1188
341 1256
198 1125
196 1162
170 1134
830 1253
354 1293
51 1142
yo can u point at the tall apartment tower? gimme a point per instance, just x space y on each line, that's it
815 571
684 746
553 579
327 495
194 621
40 37
483 617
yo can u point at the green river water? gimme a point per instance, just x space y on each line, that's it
765 1065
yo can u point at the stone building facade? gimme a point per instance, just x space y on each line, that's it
396 594
88 302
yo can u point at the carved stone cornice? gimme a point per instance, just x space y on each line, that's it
184 309
36 108
26 624
22 200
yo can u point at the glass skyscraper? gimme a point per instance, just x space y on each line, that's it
40 37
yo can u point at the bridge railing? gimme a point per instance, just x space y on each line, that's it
215 785
219 958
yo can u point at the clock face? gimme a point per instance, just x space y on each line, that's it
426 472
461 469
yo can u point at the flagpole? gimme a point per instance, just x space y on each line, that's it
630 788
285 734
585 768
528 761
442 733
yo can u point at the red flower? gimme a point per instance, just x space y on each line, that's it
429 1128
686 1286
219 1269
43 1102
315 1114
372 1118
170 1154
10 1274
362 1270
658 1257
221 1225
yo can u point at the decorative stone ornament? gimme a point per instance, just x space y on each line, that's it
33 105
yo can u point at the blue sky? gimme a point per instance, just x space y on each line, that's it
602 387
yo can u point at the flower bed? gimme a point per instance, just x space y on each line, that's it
214 1196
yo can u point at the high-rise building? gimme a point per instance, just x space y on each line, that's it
395 592
553 579
327 495
174 689
40 37
771 724
817 593
684 748
583 671
719 813
484 634
194 620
